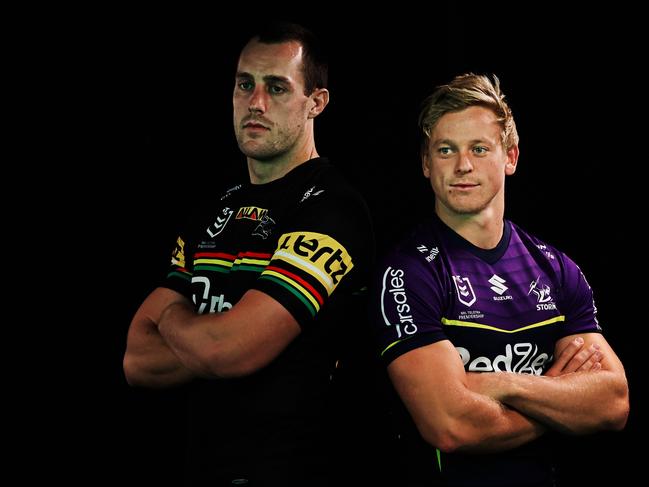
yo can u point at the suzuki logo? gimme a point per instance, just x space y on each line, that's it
498 284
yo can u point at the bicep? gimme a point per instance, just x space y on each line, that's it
258 329
430 381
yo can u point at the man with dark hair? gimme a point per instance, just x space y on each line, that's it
262 282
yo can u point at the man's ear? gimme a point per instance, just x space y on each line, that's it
320 99
512 160
424 165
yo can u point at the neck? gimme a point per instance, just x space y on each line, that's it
484 229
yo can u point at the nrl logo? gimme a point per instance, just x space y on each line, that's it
221 221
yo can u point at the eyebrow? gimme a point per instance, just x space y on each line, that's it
270 78
471 142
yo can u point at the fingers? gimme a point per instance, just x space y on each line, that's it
593 362
576 357
564 356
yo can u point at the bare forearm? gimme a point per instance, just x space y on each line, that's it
463 420
448 412
489 426
149 362
580 402
183 332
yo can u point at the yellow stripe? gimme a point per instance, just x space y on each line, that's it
469 324
226 263
394 343
307 267
295 285
248 260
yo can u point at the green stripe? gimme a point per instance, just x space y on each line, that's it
187 277
439 459
294 291
248 267
216 268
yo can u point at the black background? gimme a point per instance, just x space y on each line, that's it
150 98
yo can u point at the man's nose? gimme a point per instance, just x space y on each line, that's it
258 100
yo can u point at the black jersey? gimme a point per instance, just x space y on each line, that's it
306 241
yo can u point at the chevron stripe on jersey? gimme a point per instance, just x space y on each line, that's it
309 265
222 262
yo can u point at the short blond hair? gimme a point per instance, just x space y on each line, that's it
465 91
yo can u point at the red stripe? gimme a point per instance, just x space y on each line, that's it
297 278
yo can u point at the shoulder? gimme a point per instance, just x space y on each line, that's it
555 258
325 194
321 178
233 190
419 249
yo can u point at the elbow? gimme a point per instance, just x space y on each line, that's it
138 375
448 443
133 373
618 410
444 437
618 414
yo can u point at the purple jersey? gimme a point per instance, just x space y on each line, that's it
503 309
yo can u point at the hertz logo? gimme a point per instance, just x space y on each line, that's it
316 253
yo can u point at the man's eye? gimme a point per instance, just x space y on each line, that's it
480 150
444 151
245 85
276 90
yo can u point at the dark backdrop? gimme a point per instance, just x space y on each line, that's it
155 130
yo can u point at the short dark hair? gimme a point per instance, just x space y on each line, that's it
314 63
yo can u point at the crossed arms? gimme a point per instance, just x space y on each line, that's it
169 344
584 391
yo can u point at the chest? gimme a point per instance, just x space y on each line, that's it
504 316
234 246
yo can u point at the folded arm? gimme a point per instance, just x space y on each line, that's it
575 402
169 344
231 344
432 383
148 360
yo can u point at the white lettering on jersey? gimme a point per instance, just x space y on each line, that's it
393 284
521 358
217 304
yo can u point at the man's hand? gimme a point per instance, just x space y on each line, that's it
576 357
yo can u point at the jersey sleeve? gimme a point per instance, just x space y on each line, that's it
323 248
407 302
577 300
179 273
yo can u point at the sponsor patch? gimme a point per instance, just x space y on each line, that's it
251 213
317 254
394 301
